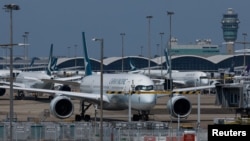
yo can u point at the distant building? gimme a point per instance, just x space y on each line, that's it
230 25
200 47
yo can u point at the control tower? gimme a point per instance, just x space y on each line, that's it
230 25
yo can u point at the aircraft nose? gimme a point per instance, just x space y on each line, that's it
148 101
149 98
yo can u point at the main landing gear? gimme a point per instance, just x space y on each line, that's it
82 116
20 95
142 115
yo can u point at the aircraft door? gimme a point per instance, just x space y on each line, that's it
127 88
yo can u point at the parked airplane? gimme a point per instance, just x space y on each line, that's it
180 78
65 72
32 79
35 79
124 84
5 73
154 71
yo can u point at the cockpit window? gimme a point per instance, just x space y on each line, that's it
145 88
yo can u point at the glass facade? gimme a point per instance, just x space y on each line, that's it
178 63
184 62
192 63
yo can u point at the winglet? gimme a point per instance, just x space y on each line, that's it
88 70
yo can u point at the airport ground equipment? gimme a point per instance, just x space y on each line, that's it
235 96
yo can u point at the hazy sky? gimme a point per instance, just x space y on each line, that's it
61 22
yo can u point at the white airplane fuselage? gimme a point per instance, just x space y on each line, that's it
188 78
63 73
191 78
6 73
122 83
33 80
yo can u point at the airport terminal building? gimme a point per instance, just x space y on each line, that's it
201 55
114 64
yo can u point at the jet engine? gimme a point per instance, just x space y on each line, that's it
179 106
61 107
2 91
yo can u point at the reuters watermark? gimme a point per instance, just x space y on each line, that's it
228 131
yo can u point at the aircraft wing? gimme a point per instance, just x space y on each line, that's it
14 84
72 78
178 82
73 81
78 95
189 90
193 88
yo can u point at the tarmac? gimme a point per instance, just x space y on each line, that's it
37 110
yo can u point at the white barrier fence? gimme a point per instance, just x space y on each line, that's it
89 131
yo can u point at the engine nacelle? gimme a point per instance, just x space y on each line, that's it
2 91
179 106
61 107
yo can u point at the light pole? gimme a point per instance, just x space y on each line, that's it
169 50
122 34
141 50
244 50
161 34
149 48
68 51
170 67
25 40
129 101
157 50
101 86
10 8
244 35
75 55
24 52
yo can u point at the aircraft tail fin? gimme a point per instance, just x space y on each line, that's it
49 67
167 59
245 72
53 64
88 70
32 61
132 65
248 68
231 69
